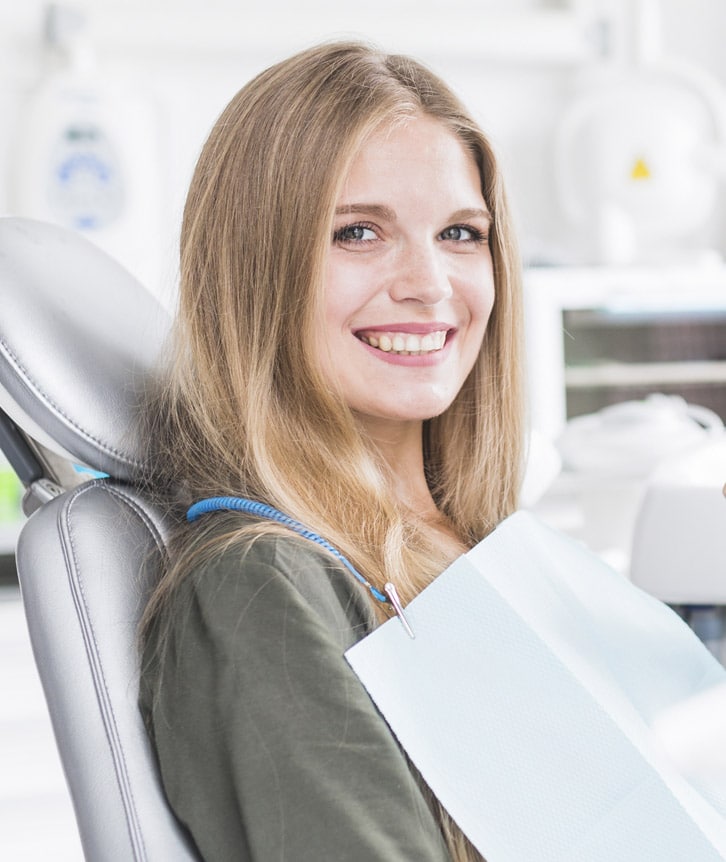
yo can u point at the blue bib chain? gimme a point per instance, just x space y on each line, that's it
262 510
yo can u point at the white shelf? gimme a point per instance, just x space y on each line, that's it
645 374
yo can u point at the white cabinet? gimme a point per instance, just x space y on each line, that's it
597 336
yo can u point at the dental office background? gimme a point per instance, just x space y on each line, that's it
609 117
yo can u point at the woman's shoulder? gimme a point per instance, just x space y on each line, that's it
267 573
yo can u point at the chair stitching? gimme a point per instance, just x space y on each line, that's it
76 581
28 380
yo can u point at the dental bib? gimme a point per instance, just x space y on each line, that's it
527 699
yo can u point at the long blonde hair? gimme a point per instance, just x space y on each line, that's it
245 410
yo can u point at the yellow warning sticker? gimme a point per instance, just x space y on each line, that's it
640 170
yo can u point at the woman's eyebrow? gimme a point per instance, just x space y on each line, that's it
471 213
378 211
384 213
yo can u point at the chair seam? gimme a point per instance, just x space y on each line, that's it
28 380
102 693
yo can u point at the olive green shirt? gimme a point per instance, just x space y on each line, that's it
269 746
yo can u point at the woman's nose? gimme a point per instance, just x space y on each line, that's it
421 276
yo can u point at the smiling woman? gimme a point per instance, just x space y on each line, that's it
347 351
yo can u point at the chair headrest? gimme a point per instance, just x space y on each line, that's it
80 339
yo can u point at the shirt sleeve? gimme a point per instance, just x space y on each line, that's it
270 748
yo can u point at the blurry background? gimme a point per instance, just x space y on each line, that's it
159 73
609 117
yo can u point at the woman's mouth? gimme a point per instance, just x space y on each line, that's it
404 343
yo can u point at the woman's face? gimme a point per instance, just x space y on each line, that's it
408 285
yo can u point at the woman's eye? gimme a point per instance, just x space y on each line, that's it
354 233
463 233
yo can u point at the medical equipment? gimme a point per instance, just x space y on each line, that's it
611 454
679 547
85 151
640 152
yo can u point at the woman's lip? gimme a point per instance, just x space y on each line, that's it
407 328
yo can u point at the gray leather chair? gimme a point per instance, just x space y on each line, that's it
79 341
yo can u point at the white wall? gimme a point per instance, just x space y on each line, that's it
515 62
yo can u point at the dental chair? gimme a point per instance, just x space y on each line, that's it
79 342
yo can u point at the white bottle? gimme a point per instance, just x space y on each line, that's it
86 153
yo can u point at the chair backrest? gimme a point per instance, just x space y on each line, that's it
79 343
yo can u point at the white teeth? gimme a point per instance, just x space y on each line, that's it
406 344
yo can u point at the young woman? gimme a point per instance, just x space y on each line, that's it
347 351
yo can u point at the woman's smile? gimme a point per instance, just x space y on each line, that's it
406 340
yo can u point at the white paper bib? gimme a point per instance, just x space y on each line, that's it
527 699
